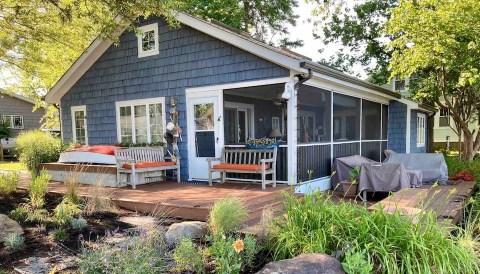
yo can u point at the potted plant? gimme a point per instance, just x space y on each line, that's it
350 186
262 143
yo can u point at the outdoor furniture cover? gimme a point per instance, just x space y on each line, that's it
383 177
341 167
416 177
433 166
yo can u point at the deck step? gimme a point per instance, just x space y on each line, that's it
406 198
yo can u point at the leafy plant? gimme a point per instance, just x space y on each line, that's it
131 144
58 234
261 141
36 147
8 182
353 174
38 215
232 254
143 253
14 241
227 215
20 213
188 257
38 188
394 243
356 262
78 223
65 212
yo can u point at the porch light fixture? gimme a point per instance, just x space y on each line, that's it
287 92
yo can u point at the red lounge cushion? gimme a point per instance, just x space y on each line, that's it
149 164
240 167
107 150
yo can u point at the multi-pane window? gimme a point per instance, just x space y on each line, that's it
421 118
79 125
141 121
444 120
399 85
13 121
148 40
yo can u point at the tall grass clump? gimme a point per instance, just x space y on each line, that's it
38 188
393 243
227 215
98 199
8 182
141 253
36 147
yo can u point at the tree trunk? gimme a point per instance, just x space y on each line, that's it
1 151
468 147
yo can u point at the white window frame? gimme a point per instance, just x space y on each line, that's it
143 29
421 128
12 117
132 103
440 116
74 130
250 119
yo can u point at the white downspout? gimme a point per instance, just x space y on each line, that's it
408 129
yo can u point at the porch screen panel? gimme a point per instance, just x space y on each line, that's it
346 149
346 118
314 115
384 122
371 150
384 147
371 120
314 158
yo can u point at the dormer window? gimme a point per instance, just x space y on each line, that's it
148 40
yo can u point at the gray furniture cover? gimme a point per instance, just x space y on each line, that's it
433 166
383 177
341 167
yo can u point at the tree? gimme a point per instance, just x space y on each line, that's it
358 26
439 41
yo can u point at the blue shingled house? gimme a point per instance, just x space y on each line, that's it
123 93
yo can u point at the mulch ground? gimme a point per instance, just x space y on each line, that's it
37 242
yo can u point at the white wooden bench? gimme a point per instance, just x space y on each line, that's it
250 161
142 160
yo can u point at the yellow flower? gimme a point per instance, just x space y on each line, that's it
238 246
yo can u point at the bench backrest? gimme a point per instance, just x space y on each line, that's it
141 154
247 156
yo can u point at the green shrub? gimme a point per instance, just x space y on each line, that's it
65 212
456 165
144 253
231 254
20 213
188 257
8 182
14 241
78 224
392 242
38 188
356 262
227 215
36 147
58 235
38 215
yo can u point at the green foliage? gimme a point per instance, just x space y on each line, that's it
354 173
36 147
227 215
65 212
188 257
8 182
356 262
143 253
14 241
38 215
456 165
4 131
38 188
59 234
78 224
358 27
232 254
442 52
20 213
131 144
392 242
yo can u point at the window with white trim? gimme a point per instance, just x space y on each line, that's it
444 120
13 121
79 125
148 40
421 119
141 121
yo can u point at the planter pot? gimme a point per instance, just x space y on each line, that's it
262 147
349 189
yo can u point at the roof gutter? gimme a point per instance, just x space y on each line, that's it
342 76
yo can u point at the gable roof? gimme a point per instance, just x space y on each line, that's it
17 96
284 58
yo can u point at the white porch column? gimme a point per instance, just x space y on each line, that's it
408 129
292 138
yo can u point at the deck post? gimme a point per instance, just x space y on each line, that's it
292 137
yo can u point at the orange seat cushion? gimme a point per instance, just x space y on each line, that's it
149 164
240 167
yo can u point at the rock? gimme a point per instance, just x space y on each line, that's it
140 221
314 263
191 230
8 226
41 265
